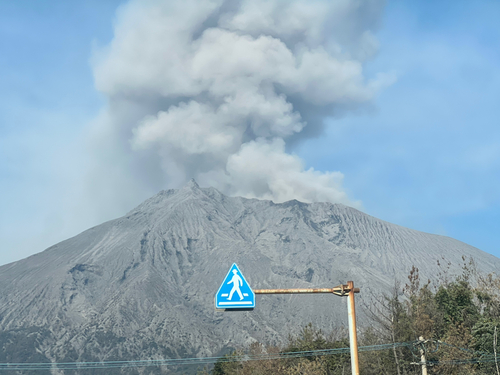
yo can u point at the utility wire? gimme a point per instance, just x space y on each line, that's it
485 357
189 361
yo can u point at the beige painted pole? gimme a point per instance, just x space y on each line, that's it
343 291
422 357
353 337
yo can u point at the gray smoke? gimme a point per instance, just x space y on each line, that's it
221 91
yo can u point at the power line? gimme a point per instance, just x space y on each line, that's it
190 361
484 357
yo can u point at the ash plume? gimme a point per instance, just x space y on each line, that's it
221 91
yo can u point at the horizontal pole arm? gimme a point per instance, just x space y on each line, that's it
341 290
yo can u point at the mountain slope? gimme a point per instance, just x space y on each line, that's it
143 285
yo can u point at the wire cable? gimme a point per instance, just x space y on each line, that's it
190 361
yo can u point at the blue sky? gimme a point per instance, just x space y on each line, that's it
47 98
426 156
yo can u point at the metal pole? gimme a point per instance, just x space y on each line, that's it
422 357
343 291
353 337
495 349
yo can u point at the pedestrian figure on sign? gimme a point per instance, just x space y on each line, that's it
237 282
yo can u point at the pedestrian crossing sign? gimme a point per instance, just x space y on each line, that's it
234 293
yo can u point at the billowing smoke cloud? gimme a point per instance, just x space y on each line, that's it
221 91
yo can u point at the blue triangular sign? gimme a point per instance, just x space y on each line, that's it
234 293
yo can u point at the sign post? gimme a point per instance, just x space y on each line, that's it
353 335
235 293
344 290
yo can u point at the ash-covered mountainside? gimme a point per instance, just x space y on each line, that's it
142 286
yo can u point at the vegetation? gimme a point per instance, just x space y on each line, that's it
458 320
